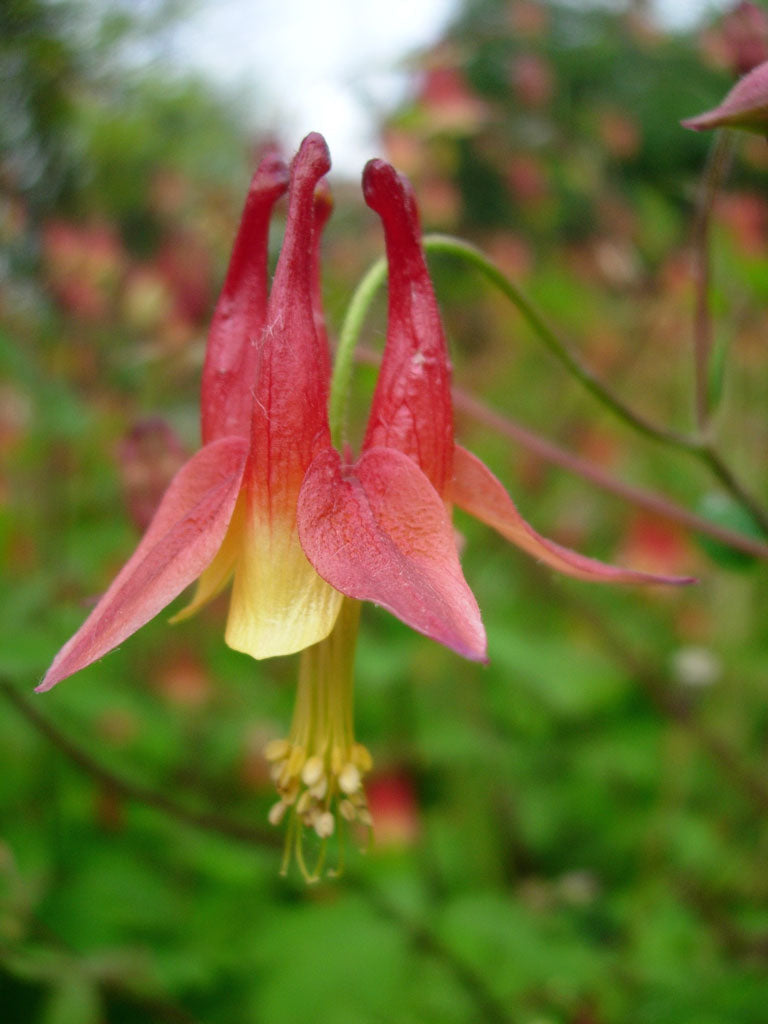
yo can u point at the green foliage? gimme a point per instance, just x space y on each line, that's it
573 834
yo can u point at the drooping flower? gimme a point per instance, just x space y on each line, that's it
305 532
745 106
232 509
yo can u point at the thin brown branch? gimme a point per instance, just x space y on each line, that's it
420 934
673 704
473 983
641 497
130 789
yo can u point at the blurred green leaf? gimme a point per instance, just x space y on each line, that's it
723 510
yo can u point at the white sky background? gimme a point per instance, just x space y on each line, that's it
328 65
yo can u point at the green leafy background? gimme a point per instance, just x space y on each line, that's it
574 834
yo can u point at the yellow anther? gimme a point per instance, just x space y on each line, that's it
296 759
320 788
361 756
290 792
312 771
349 779
324 824
304 802
347 810
277 812
318 770
276 750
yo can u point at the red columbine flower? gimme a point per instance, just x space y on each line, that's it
305 532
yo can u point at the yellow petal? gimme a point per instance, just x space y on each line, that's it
279 603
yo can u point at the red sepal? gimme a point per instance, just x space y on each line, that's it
238 320
412 409
378 531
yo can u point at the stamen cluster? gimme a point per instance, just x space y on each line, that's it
319 787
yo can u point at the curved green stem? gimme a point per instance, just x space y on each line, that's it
699 446
558 348
345 352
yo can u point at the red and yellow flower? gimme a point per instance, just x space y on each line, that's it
306 532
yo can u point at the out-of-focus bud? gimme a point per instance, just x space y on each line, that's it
696 667
532 80
449 102
528 19
652 542
739 41
183 681
186 266
148 459
83 266
394 808
147 299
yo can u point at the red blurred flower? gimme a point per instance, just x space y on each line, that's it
148 458
739 42
83 265
532 80
451 104
394 808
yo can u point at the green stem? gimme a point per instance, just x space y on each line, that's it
345 352
558 348
699 446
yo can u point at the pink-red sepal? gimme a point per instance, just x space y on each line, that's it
289 423
229 371
181 541
745 106
477 491
378 531
411 409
